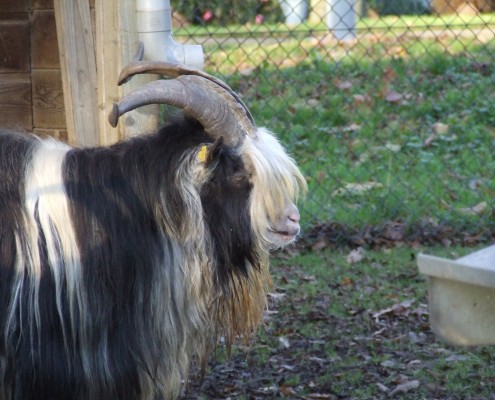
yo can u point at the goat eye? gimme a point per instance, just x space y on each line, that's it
240 177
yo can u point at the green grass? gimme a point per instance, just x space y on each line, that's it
366 350
431 154
342 330
403 22
355 135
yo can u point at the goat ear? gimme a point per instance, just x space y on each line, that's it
214 151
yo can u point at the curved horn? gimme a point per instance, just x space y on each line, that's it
173 70
204 100
137 57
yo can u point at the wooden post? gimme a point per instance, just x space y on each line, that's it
78 65
116 42
108 65
15 79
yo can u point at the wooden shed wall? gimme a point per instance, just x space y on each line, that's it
64 86
31 95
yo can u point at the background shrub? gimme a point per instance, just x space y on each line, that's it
219 12
400 7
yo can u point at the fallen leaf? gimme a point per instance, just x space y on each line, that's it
389 75
394 148
456 358
430 139
320 244
284 342
313 102
393 97
361 99
344 85
388 364
355 255
382 387
308 278
287 390
476 183
276 297
379 332
434 387
394 232
440 129
357 188
247 71
352 128
475 210
346 281
404 387
365 156
402 308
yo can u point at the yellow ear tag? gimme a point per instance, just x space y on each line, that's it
203 153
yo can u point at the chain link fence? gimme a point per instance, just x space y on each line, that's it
387 106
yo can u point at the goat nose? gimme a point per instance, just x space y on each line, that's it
293 214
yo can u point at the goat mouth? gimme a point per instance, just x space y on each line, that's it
285 237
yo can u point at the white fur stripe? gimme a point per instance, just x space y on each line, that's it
46 209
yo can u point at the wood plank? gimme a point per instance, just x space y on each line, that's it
44 45
78 64
41 4
13 16
108 66
93 24
117 41
144 119
15 5
14 46
15 102
48 99
59 134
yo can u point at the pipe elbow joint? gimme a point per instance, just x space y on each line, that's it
154 25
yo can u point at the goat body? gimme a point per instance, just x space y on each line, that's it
121 265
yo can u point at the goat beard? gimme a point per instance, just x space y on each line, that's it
238 308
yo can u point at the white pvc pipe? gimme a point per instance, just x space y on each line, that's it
341 18
154 25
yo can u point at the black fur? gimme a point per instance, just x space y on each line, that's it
15 151
225 202
113 195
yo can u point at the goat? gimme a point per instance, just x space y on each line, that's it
122 265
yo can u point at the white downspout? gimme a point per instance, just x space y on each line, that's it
154 26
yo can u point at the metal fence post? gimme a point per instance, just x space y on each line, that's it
341 18
295 11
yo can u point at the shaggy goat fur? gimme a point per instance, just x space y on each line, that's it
121 265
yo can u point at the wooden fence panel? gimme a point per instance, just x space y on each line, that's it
14 51
48 99
15 101
44 45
